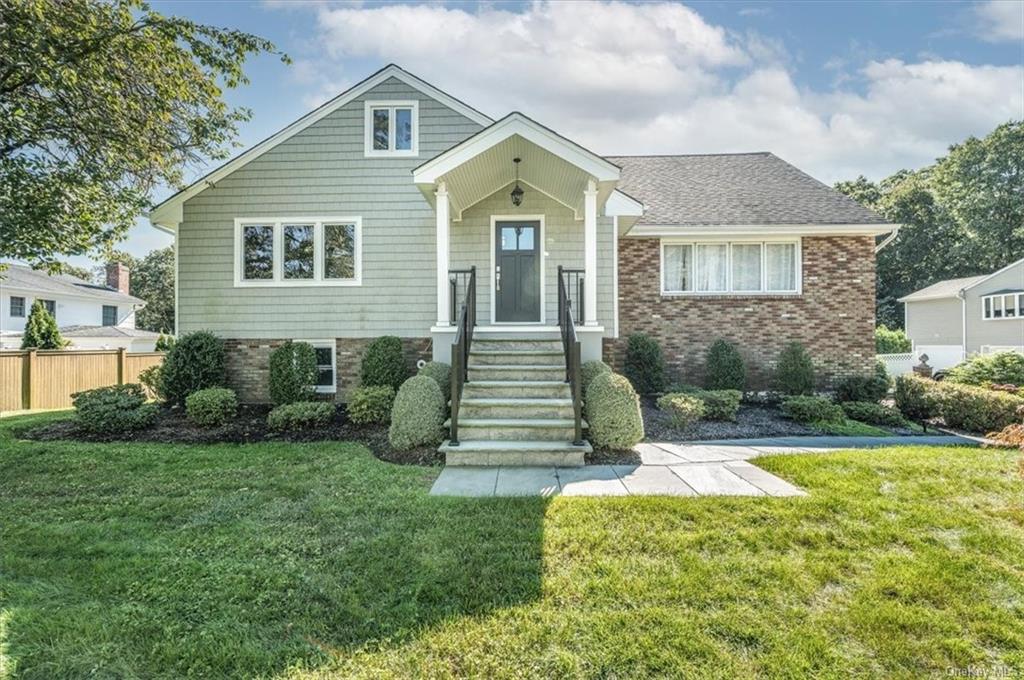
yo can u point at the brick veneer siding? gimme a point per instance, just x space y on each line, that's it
248 364
834 317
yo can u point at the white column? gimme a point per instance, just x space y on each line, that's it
590 254
443 303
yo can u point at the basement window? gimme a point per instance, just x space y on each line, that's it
326 365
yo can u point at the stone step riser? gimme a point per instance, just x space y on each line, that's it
477 372
518 359
530 458
548 411
506 345
522 390
507 433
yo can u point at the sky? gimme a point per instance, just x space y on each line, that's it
839 89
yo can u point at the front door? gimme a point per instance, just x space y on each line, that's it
517 272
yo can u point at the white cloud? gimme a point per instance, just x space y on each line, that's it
658 78
1000 20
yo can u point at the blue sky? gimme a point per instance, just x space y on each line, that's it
839 89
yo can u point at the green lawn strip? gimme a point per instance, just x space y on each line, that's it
306 560
850 428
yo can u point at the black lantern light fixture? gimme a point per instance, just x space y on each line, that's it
517 192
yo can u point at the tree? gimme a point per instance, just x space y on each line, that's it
83 273
99 103
41 330
152 279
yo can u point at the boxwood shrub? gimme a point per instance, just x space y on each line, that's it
370 404
590 370
114 409
417 417
1001 368
613 412
864 387
384 363
806 409
916 398
725 369
301 415
440 373
873 413
212 406
683 409
976 409
293 373
644 364
794 373
194 363
720 404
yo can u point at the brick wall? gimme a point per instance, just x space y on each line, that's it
834 317
248 364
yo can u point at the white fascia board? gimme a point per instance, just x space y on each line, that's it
622 205
516 124
167 214
648 230
925 298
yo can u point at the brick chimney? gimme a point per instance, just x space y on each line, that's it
117 277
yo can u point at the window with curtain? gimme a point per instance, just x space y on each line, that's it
677 268
730 267
712 267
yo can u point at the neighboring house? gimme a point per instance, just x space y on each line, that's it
89 315
952 319
352 222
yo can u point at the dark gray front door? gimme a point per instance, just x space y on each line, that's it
517 271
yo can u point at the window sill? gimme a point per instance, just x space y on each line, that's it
391 154
695 294
298 284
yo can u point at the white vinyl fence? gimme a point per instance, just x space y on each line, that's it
898 364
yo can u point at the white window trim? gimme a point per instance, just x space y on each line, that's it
278 279
729 292
1002 306
333 387
391 152
24 306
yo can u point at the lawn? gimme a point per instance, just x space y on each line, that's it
309 560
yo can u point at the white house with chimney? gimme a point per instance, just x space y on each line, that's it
89 315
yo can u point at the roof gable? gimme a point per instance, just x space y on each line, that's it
22 278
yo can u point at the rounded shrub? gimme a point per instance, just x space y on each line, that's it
862 388
873 413
292 373
151 379
794 373
683 409
384 363
590 370
417 418
977 409
644 365
916 398
613 412
1000 368
720 404
194 363
370 404
805 409
725 369
211 407
113 409
440 373
301 415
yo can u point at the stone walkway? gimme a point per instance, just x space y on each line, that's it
721 468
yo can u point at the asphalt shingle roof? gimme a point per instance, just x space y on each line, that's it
20 276
733 189
106 332
943 289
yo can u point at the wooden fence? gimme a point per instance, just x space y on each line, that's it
46 379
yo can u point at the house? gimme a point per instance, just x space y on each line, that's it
953 319
90 316
387 208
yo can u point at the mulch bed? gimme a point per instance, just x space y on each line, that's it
752 421
249 426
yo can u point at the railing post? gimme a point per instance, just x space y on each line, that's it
580 283
456 372
453 290
577 398
561 285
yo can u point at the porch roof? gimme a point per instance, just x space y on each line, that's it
482 164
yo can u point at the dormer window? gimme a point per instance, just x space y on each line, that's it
392 128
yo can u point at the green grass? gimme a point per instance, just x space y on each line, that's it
850 428
298 561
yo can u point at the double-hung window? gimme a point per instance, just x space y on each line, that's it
109 315
392 128
298 251
724 267
326 365
17 306
1003 305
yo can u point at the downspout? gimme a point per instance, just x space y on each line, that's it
963 323
890 238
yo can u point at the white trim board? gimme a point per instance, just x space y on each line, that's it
543 257
168 214
757 230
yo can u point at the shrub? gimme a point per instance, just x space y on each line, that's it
873 413
684 409
301 415
805 409
982 369
164 343
417 417
977 409
440 373
151 379
370 404
41 330
590 370
915 398
212 406
891 340
720 404
644 365
384 363
613 412
293 373
864 387
684 388
794 374
114 409
194 363
725 370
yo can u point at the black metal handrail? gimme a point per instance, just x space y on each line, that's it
573 287
465 322
571 348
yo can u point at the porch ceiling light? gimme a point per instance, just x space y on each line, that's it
517 192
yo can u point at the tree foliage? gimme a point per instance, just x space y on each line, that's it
99 103
961 216
41 330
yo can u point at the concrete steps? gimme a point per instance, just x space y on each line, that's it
516 408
